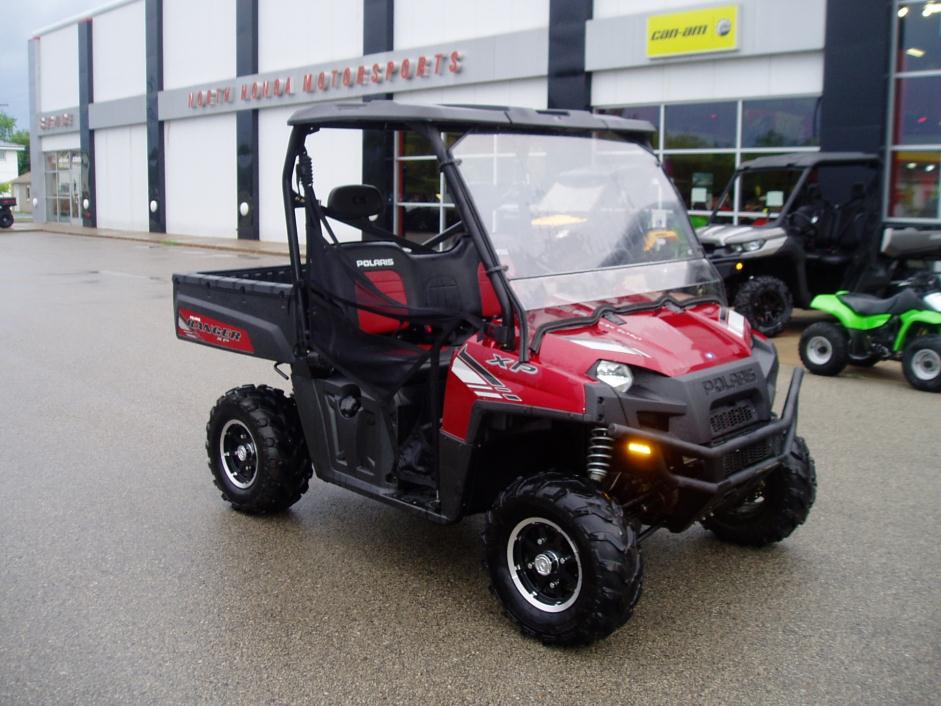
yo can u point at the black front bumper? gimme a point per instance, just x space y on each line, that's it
779 433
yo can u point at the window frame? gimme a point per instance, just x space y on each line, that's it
891 116
738 150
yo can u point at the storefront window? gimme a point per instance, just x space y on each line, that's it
919 36
915 180
700 151
918 110
63 177
780 122
915 154
700 178
423 207
700 125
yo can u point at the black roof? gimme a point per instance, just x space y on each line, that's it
387 113
803 160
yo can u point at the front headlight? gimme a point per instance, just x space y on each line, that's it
617 375
750 246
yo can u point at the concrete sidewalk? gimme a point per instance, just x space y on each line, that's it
249 246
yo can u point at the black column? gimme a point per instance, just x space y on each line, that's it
246 121
153 21
569 85
854 108
378 149
86 93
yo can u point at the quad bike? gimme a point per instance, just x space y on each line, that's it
560 358
868 330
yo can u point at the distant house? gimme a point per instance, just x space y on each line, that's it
9 162
22 186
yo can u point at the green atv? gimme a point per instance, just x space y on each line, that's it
867 330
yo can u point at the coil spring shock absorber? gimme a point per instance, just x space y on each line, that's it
600 452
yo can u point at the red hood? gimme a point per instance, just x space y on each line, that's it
668 342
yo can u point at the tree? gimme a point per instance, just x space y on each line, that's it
9 133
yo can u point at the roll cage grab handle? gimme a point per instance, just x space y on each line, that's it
448 166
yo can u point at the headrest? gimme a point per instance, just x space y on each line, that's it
355 201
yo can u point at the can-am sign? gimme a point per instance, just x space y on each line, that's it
702 31
334 79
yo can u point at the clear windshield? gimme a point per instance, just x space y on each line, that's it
578 219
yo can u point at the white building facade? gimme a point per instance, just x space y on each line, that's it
171 115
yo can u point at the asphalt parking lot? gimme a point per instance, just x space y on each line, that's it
124 577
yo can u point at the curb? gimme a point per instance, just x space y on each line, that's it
257 247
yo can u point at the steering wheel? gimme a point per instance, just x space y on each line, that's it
803 223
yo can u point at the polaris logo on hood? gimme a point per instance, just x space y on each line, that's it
378 262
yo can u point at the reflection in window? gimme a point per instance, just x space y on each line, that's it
915 179
780 122
918 110
919 44
700 125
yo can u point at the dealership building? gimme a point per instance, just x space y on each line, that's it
171 115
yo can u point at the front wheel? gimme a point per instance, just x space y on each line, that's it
6 218
921 363
824 348
766 302
779 504
562 560
257 454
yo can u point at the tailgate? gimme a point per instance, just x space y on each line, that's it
242 315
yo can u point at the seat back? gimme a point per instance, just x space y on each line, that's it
454 280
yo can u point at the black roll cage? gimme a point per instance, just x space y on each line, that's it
430 122
804 166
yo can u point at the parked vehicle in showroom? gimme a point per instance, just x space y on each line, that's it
560 357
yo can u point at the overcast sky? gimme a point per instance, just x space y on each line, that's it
19 19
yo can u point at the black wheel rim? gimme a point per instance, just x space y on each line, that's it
768 308
544 564
238 454
749 508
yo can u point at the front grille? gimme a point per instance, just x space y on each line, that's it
747 456
732 417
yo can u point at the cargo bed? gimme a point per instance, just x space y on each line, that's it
251 311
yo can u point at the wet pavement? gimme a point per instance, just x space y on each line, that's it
124 577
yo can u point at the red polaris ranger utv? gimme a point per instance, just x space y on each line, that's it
560 356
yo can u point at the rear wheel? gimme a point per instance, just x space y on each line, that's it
6 218
562 561
766 302
921 363
779 504
257 454
824 348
